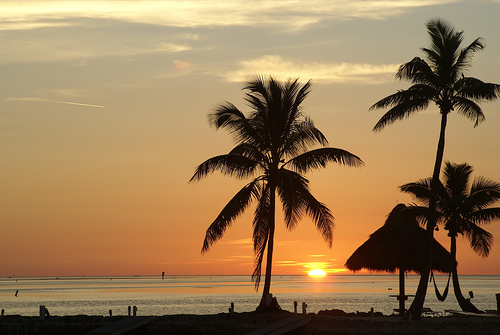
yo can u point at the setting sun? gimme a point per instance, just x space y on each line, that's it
317 273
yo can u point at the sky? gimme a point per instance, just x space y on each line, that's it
103 119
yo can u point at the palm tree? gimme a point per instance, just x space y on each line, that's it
462 209
272 147
440 80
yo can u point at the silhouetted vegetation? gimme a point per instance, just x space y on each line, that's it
273 147
462 209
440 79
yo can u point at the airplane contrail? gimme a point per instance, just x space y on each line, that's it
55 101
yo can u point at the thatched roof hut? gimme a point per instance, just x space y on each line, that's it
399 244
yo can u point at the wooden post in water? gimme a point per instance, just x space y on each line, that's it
402 296
42 313
497 295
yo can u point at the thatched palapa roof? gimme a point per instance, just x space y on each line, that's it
398 244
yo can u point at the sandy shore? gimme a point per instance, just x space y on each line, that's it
242 323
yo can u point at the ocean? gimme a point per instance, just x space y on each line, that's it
152 295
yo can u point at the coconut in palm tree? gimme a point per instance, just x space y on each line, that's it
463 208
440 79
275 145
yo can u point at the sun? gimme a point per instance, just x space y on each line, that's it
317 273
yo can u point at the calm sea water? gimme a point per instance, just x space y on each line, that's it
214 294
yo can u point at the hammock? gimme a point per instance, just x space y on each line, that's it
445 292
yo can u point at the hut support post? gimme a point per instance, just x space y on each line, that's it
402 296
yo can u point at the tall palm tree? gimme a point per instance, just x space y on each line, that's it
440 80
462 208
272 147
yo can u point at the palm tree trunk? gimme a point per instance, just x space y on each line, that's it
270 247
418 302
465 304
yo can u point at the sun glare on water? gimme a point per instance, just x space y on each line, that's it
317 273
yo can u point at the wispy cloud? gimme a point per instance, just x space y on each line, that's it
283 69
29 25
244 242
53 101
288 13
51 31
62 48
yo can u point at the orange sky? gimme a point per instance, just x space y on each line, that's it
103 119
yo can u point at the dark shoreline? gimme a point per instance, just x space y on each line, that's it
242 323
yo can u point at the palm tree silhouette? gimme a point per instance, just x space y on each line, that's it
272 146
440 80
462 208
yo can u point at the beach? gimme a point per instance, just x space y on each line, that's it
199 305
325 322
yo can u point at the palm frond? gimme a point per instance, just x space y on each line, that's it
417 71
290 187
480 240
456 178
484 192
400 112
250 151
296 197
485 216
301 137
320 157
420 189
301 95
464 60
225 115
415 93
477 90
293 100
420 213
444 50
321 216
469 109
234 165
235 207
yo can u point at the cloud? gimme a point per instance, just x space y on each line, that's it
29 25
54 101
245 242
165 47
51 31
287 13
181 65
66 92
53 48
283 69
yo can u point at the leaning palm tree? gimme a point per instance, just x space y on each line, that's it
273 145
462 208
439 80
